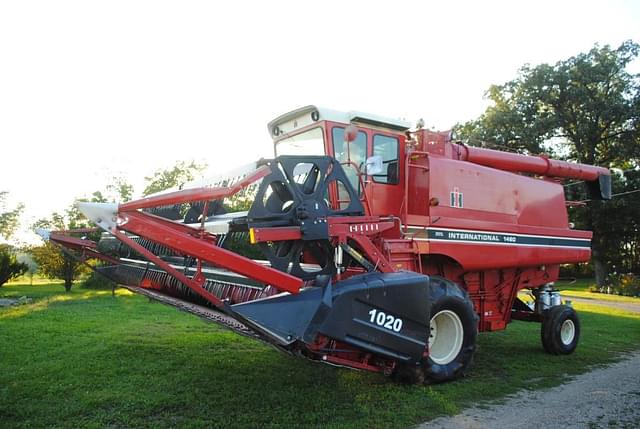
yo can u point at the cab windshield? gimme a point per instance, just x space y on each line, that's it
308 143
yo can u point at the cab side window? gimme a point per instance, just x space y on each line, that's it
387 148
357 149
357 153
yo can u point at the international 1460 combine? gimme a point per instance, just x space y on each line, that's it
381 247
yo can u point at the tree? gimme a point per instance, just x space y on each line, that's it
164 179
121 189
52 261
10 268
618 218
56 264
9 219
96 197
585 108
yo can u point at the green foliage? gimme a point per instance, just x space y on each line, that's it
587 109
587 288
164 179
9 219
56 264
517 120
10 267
97 197
588 103
617 222
54 223
71 219
121 189
238 242
118 190
241 201
623 284
74 218
237 382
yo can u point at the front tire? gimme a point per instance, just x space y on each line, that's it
560 330
453 332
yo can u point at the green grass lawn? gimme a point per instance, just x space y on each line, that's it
87 359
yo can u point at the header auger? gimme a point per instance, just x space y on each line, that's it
380 247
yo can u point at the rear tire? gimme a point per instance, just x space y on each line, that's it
560 330
454 329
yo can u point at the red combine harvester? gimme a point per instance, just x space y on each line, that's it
382 248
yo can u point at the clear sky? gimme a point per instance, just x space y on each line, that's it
89 90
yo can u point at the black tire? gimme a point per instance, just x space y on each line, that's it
451 299
560 330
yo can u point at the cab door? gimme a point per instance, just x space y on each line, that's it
351 156
385 190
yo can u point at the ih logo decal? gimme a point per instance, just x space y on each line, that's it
456 198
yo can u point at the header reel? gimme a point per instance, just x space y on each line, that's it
299 193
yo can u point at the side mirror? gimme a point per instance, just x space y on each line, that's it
350 133
373 165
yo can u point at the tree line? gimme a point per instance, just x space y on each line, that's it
585 109
50 260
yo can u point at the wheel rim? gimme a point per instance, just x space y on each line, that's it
445 337
567 332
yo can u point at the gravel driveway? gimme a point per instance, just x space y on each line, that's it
606 397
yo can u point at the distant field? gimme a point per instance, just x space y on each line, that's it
87 359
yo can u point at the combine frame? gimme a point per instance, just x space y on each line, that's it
383 249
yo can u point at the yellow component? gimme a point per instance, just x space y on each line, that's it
252 236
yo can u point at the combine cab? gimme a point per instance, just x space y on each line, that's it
378 247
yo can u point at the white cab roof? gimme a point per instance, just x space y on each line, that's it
310 114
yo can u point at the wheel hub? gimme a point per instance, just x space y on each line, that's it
567 332
445 337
